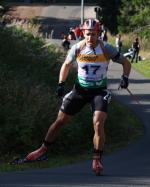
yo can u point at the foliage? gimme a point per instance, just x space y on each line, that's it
26 88
134 15
144 32
108 14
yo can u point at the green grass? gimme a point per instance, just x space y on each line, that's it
143 67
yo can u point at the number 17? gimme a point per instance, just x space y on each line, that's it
93 67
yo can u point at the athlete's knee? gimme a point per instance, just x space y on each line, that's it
98 126
62 118
99 118
60 121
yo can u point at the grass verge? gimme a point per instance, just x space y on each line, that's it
143 67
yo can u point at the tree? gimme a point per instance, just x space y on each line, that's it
134 14
109 13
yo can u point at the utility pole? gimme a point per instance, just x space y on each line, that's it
82 11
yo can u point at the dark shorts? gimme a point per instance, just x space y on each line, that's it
75 100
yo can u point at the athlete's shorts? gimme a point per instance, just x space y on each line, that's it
75 100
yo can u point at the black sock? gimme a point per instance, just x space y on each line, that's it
46 143
98 152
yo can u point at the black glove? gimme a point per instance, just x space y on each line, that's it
124 81
60 89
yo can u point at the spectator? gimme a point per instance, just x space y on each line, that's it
77 32
62 35
118 43
104 35
136 49
71 35
81 35
52 33
66 43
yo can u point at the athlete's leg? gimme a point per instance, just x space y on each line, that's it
99 118
133 57
72 103
62 118
137 55
99 107
98 140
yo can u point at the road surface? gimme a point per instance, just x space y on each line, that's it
61 18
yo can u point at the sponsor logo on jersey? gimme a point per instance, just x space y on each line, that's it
88 58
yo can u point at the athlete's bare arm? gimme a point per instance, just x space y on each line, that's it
126 66
64 71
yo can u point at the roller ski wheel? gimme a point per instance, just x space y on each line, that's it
97 167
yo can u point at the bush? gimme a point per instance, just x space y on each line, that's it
26 89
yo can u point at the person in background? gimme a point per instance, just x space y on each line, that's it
136 49
77 32
52 33
118 43
81 35
103 33
92 56
66 43
71 35
62 34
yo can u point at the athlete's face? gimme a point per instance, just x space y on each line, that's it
91 37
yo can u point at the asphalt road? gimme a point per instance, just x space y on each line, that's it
61 18
125 168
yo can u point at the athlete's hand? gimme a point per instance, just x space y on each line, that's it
124 82
60 89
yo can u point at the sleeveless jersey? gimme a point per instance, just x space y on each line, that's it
92 65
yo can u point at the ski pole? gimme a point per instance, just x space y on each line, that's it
133 96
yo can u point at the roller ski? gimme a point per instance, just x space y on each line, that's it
22 160
97 166
37 155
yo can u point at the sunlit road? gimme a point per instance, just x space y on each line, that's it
60 18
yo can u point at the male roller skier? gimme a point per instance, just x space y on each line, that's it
92 57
